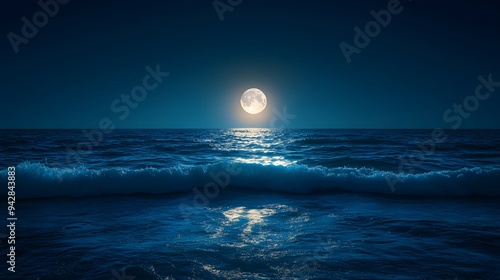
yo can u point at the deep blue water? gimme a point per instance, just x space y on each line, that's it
255 204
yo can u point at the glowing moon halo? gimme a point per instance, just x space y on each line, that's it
253 101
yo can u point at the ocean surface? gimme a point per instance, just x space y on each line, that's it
253 204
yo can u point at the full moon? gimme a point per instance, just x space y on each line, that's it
253 101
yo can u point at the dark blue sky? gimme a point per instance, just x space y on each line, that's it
90 53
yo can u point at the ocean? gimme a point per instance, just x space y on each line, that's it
252 204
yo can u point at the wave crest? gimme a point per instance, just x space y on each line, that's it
35 180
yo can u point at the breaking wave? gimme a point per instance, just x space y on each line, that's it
36 180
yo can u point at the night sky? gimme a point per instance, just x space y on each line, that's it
91 53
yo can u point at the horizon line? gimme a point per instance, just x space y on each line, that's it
135 128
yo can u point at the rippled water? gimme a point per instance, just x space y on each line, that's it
378 149
254 204
400 162
260 236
